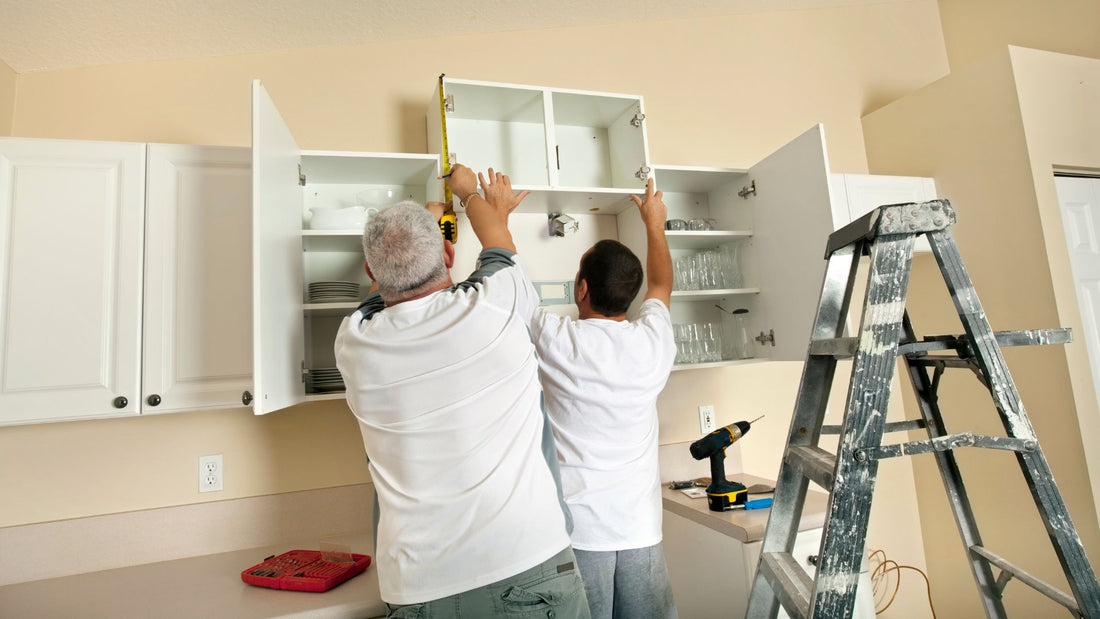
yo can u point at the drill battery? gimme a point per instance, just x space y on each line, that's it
722 495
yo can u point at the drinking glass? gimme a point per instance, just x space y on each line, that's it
710 342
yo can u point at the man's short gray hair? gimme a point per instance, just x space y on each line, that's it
404 249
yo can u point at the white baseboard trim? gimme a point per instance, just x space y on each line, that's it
53 549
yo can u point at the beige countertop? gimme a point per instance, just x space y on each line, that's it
744 525
208 586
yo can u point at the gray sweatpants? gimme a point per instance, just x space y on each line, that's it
551 589
627 584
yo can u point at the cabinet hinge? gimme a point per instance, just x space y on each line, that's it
301 176
637 120
766 338
643 172
748 190
449 103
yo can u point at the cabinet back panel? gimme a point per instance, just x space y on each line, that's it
344 195
487 102
514 148
583 156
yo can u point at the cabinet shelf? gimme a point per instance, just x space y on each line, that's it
703 239
328 395
330 309
703 295
332 240
717 364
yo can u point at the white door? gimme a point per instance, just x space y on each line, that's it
198 321
792 220
70 279
1080 203
278 338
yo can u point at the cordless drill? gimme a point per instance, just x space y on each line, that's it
721 493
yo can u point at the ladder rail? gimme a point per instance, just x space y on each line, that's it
1033 464
928 399
805 430
864 423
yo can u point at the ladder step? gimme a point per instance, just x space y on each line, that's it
791 584
1009 570
839 347
845 347
953 441
814 463
961 343
891 426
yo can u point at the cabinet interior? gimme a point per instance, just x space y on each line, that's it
339 180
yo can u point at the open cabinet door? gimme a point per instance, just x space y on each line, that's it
278 338
792 220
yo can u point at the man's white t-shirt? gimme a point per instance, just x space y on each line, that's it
447 395
601 379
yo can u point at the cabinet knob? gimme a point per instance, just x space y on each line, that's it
153 400
246 398
812 559
120 402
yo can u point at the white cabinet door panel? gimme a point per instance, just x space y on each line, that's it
278 338
197 328
70 290
792 220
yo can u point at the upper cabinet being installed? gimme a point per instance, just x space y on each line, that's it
580 151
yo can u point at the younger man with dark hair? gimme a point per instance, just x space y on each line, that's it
601 375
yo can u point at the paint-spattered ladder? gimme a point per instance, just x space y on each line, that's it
887 235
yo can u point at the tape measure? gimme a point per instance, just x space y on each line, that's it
448 224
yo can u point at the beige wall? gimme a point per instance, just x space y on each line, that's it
974 29
994 160
720 91
7 98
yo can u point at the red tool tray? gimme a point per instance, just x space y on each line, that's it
303 570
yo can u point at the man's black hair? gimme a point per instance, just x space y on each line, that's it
614 276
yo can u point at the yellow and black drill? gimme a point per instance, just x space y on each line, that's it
721 493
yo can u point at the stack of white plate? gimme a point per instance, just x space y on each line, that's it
326 379
332 292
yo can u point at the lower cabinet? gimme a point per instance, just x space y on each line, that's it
712 573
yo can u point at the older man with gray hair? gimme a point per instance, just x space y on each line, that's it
443 379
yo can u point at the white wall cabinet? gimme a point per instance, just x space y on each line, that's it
855 195
293 339
597 156
71 222
83 249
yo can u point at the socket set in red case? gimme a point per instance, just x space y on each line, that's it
304 570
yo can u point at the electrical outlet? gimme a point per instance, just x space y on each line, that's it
210 473
706 419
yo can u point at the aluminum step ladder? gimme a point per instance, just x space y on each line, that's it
887 234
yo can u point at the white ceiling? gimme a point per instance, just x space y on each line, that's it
44 35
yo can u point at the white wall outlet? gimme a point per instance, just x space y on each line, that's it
210 473
706 419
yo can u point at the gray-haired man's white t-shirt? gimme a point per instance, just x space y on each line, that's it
447 395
